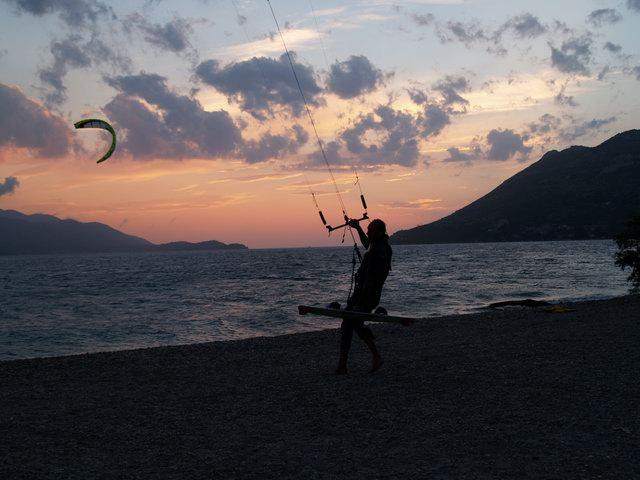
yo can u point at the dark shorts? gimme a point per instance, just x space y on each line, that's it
348 326
359 304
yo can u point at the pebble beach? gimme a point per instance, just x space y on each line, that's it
513 393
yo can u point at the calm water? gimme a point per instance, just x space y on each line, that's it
65 304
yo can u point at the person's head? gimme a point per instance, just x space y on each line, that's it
376 230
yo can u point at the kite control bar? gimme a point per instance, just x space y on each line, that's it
346 222
365 216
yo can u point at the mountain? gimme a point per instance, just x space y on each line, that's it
38 233
577 193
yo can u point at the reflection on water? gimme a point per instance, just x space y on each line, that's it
64 304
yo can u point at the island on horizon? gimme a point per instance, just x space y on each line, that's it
46 234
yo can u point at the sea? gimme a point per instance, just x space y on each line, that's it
52 305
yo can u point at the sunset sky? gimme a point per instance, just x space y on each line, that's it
433 103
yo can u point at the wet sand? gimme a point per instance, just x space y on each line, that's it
499 394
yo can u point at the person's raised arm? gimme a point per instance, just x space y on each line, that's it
363 236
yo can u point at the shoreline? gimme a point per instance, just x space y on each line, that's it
493 394
471 311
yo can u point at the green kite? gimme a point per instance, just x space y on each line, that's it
96 123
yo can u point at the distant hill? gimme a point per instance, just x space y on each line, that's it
208 245
40 234
578 193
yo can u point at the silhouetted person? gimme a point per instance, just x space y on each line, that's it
369 280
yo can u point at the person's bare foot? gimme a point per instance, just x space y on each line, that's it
377 363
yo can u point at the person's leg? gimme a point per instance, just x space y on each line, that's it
346 334
366 335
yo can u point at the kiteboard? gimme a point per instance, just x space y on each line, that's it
349 315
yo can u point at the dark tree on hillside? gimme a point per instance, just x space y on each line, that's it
628 254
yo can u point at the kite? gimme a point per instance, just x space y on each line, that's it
95 123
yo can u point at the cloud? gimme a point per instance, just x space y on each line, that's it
612 47
458 156
501 145
436 115
604 16
545 127
580 129
66 53
549 129
268 45
562 98
332 151
384 136
353 77
241 19
417 96
8 186
176 126
173 35
261 83
423 19
567 100
633 5
433 120
27 124
504 144
270 147
147 136
466 33
387 136
300 134
265 177
75 13
562 27
573 56
73 52
420 203
603 73
395 132
450 88
523 26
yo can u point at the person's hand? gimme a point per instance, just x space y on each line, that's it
353 223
